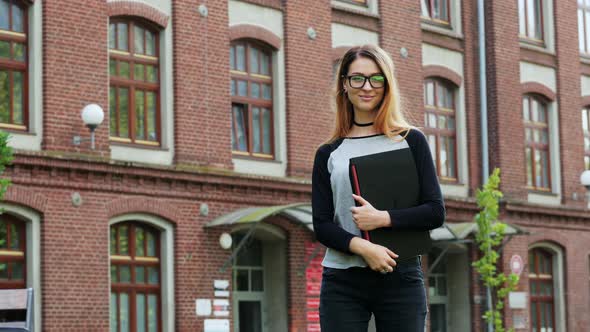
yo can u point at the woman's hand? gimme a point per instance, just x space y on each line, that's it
379 258
366 217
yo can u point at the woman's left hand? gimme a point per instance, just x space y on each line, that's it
366 217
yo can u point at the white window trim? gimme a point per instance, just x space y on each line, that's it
548 30
165 154
456 30
554 197
558 283
33 254
167 262
372 8
31 140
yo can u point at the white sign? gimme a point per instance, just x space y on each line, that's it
516 264
216 325
220 308
220 284
203 307
221 293
517 300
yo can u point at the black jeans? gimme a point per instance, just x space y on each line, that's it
397 299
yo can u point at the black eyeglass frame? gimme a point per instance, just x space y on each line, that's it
365 81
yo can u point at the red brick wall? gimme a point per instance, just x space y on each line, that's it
202 104
75 65
308 69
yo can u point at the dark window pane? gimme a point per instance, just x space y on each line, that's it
114 273
4 96
242 280
4 15
240 130
265 64
150 43
124 273
3 235
153 275
113 115
240 58
123 112
112 67
232 58
242 88
266 91
151 116
529 168
3 271
17 97
124 312
257 281
139 112
124 69
140 311
152 313
123 241
253 60
114 311
139 242
232 88
255 87
266 122
112 36
14 237
122 36
140 274
138 38
151 245
256 129
4 49
17 19
152 74
138 73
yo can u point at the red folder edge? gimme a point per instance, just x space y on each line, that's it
357 191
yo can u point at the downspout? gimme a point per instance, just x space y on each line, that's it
484 116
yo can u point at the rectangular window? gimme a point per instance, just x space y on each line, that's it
13 66
586 131
530 15
437 11
584 26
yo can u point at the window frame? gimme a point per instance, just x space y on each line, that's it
131 57
586 135
361 3
438 132
10 255
526 38
21 66
132 260
539 278
585 25
248 103
537 146
437 21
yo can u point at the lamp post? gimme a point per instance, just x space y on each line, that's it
92 115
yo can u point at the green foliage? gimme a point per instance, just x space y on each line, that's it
490 235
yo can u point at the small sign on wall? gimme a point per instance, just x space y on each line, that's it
203 307
517 300
216 325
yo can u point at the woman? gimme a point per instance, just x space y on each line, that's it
361 278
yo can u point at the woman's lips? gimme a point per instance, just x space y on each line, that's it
366 98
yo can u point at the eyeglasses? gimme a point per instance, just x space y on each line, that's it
358 81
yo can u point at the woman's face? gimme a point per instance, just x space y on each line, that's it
367 97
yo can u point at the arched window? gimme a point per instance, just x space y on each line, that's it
537 156
542 294
13 65
12 253
134 99
439 126
586 128
135 278
251 96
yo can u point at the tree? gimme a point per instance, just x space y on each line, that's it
490 236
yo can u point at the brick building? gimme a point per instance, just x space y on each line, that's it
213 111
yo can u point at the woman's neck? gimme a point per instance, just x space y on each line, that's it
363 118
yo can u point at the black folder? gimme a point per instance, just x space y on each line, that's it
389 180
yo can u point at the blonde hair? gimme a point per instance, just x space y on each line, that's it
389 119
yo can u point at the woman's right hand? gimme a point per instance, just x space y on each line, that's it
379 258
